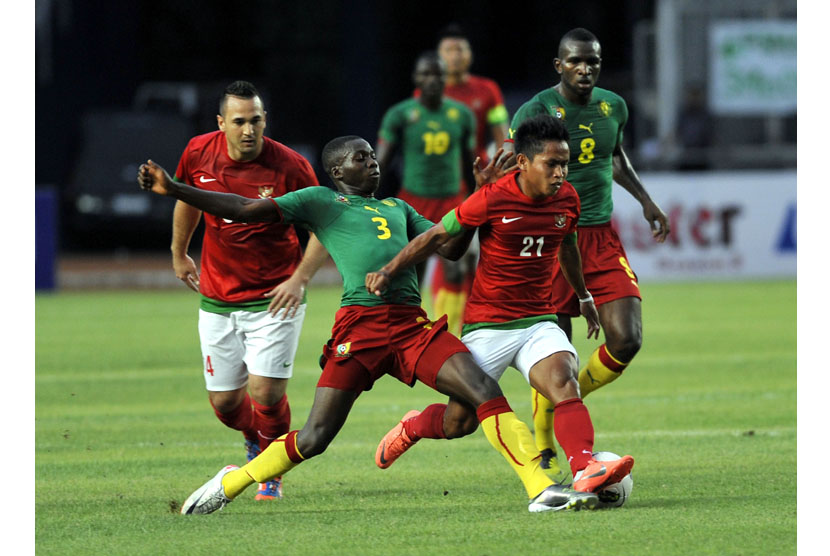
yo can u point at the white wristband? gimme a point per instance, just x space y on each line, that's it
587 299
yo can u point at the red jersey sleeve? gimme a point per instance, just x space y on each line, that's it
183 169
473 212
303 175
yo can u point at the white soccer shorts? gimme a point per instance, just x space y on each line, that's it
243 342
495 350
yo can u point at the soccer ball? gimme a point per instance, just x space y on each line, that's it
614 496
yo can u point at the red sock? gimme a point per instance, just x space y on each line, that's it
574 431
240 419
429 424
271 422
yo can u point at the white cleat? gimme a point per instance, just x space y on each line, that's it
558 497
210 496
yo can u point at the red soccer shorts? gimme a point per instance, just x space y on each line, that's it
432 208
398 340
608 276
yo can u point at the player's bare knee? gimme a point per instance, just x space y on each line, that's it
460 426
626 346
265 390
225 402
313 440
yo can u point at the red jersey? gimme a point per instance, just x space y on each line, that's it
520 240
241 262
483 96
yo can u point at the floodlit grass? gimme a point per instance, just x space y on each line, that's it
124 433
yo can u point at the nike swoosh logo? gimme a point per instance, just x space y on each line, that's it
203 179
599 473
286 364
506 220
382 454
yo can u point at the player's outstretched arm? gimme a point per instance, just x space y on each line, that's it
625 175
417 250
570 261
289 294
152 177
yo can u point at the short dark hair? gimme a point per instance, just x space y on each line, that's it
429 56
579 34
241 89
533 133
452 31
335 151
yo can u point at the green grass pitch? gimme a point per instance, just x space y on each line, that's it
124 433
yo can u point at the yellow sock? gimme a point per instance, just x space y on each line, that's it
277 459
451 303
542 421
601 369
513 440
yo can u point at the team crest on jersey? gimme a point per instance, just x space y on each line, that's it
339 197
559 220
604 108
476 104
343 350
414 115
453 113
558 111
389 203
266 191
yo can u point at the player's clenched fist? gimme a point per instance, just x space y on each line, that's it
377 282
152 177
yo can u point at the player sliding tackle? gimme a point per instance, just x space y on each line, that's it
372 335
524 219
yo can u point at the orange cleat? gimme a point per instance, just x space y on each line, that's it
598 474
270 490
394 443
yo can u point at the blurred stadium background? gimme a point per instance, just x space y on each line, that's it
711 88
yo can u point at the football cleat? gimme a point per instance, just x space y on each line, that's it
549 459
251 450
210 496
558 497
598 474
394 443
270 490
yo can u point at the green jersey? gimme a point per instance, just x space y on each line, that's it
431 144
595 129
361 234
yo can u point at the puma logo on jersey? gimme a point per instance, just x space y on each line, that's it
203 179
367 207
587 127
